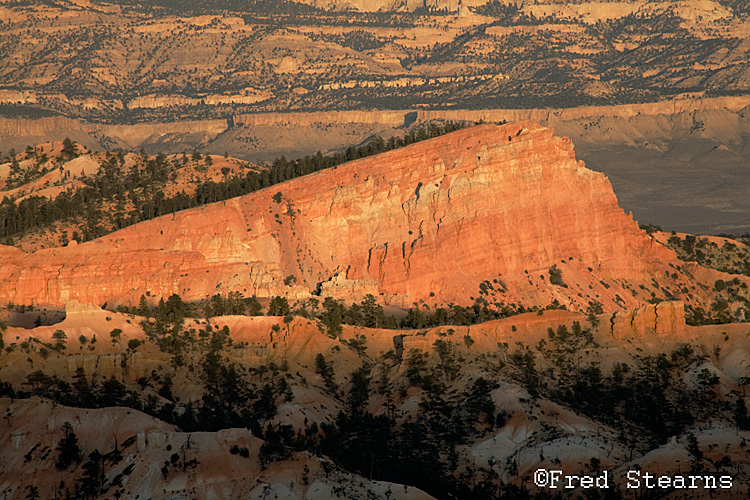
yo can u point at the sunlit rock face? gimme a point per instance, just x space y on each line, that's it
507 205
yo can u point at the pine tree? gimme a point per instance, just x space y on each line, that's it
68 449
69 149
143 307
741 418
91 482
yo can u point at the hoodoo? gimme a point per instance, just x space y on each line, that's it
499 211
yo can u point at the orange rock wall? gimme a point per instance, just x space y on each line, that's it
438 217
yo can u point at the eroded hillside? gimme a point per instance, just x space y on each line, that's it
59 192
168 61
513 219
302 408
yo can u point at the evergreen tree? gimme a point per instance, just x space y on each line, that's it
741 418
90 484
33 492
68 450
69 149
143 307
254 307
372 312
279 306
59 337
332 316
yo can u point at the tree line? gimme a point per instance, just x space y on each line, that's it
113 188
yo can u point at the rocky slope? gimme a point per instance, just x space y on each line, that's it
537 426
428 222
87 194
192 62
205 467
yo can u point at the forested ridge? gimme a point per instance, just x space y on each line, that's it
117 197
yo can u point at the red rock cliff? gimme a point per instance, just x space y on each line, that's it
490 202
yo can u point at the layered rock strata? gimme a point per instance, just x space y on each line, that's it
505 205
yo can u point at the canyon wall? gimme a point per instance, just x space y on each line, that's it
133 136
548 116
190 134
551 116
19 127
395 118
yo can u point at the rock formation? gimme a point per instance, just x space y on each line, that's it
147 444
34 427
665 318
506 205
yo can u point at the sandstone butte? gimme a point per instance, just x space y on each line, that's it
429 222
